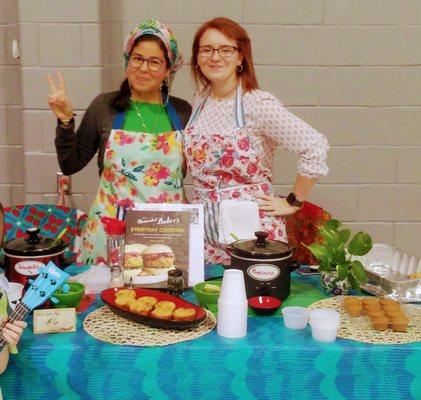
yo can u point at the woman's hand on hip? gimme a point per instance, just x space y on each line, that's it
58 100
275 206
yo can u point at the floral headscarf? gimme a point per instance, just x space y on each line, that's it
156 28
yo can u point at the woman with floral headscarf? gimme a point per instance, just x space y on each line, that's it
137 131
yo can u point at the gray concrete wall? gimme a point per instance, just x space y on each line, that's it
351 68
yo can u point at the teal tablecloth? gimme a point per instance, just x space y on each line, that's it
272 362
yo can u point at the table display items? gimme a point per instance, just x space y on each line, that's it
115 231
71 297
232 305
324 324
264 305
25 256
161 237
175 283
207 294
335 252
153 308
267 265
369 319
39 291
13 290
295 317
392 273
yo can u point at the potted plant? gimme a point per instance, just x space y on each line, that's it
334 250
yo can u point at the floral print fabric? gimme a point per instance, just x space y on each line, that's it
138 167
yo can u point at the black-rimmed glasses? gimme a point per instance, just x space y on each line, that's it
153 63
223 51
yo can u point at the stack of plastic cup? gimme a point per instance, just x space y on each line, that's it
232 305
14 293
324 324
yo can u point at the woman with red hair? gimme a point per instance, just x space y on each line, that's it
231 137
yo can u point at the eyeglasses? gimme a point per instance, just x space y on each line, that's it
223 51
154 64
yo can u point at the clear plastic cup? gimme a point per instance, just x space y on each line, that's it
14 294
233 288
324 324
295 317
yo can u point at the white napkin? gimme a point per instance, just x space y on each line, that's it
240 217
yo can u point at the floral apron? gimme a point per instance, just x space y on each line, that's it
224 165
138 168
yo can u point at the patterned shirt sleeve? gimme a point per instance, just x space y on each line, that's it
290 132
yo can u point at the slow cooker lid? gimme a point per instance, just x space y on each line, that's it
261 247
33 245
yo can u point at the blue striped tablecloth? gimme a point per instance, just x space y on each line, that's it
272 362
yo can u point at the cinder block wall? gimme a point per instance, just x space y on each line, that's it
351 68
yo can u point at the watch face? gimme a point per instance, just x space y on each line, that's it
291 199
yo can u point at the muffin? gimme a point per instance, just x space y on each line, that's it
348 301
380 323
373 312
390 302
370 302
184 314
399 324
162 313
394 312
354 310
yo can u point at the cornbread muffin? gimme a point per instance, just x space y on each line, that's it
184 314
123 300
370 301
355 310
380 323
385 302
394 312
391 307
350 301
371 307
373 312
126 292
399 324
148 300
162 313
165 305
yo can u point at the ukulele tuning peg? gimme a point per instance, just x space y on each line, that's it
31 281
65 288
53 300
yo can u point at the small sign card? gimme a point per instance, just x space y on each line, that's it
55 320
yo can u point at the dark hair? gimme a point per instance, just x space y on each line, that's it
235 32
122 100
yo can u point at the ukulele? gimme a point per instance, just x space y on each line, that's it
39 291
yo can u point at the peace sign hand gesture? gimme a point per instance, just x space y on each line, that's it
58 100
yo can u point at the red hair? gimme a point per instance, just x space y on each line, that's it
235 32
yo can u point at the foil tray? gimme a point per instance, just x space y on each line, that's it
392 274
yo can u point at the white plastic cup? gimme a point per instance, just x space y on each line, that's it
233 288
232 319
232 305
14 294
324 324
295 317
324 335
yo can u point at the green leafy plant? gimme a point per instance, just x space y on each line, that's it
334 251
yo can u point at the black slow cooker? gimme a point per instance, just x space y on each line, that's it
266 264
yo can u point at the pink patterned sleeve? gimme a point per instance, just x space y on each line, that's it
292 133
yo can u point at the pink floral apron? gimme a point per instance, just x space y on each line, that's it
138 168
224 165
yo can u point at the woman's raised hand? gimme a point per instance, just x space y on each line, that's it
58 100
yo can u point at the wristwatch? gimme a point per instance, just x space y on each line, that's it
293 201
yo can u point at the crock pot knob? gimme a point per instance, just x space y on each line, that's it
261 238
33 235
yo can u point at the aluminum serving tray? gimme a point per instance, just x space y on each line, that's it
392 273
